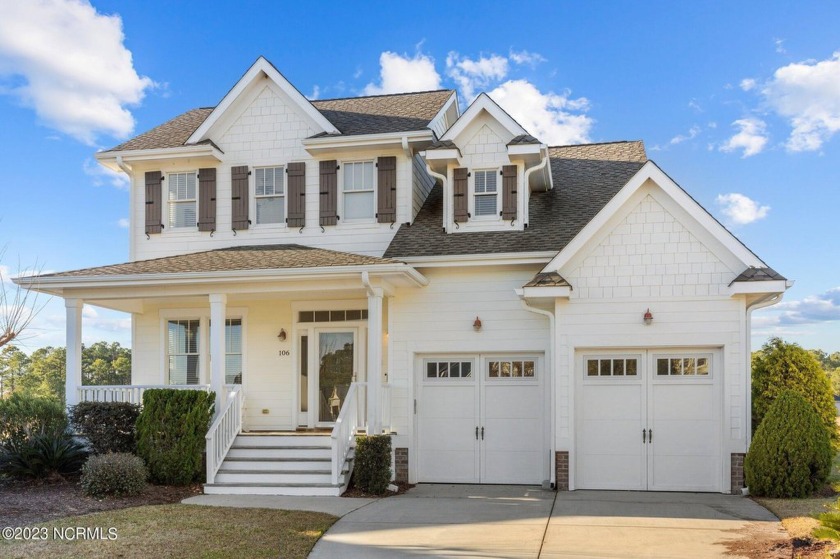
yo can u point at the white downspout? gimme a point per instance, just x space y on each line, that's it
764 302
527 193
446 202
130 172
124 166
553 388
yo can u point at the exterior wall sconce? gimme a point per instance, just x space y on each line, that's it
282 335
648 318
477 324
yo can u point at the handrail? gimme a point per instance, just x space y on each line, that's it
223 431
344 433
132 393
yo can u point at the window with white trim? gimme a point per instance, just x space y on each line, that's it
183 199
233 351
682 366
358 191
486 192
183 351
514 368
448 369
612 367
270 194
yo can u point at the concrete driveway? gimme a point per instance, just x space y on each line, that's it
528 522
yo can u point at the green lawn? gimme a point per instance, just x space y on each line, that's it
184 531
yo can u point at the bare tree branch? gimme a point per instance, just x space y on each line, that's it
18 306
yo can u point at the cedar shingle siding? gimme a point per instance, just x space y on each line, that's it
154 202
329 192
461 194
296 193
239 197
509 192
207 199
386 211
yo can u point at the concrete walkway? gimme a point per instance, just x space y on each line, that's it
336 506
528 522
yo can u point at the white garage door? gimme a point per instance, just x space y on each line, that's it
648 420
480 420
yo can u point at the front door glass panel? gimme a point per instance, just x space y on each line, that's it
335 372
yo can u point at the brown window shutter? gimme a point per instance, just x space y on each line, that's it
154 202
207 199
329 192
461 194
239 197
386 181
296 194
509 173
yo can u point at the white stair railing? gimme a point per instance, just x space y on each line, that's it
344 433
132 393
224 430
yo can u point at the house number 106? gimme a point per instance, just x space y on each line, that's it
284 353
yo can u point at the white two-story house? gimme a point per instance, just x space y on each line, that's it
510 312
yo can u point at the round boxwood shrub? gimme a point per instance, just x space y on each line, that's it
791 452
114 473
779 366
372 472
108 426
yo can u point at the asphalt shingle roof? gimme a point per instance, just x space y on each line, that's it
262 257
759 274
585 177
171 134
547 279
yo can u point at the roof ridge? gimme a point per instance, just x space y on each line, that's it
598 143
382 95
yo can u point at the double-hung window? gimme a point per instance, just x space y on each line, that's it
270 194
182 199
486 192
184 351
357 190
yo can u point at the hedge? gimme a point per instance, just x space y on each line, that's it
108 426
372 470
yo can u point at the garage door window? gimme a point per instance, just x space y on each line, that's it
612 367
510 369
448 369
682 366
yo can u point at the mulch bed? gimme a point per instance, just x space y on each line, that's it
354 491
26 503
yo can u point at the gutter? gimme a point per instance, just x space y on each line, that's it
550 360
446 208
122 165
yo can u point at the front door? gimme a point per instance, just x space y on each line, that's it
335 369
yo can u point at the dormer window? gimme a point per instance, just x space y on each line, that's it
357 191
270 194
486 192
182 199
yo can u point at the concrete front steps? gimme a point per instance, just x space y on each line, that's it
279 465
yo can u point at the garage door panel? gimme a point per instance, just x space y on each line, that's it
615 471
610 438
523 467
683 402
616 402
509 401
696 473
512 435
451 466
685 437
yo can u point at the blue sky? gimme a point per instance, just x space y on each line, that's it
738 102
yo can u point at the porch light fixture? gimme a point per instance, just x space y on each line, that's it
477 324
282 335
648 318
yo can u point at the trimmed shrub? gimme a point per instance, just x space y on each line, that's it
170 433
780 366
23 416
108 426
114 473
791 452
42 455
372 471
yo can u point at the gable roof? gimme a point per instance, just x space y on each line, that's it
484 103
586 177
759 274
171 134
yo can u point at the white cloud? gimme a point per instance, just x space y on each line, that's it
471 75
780 46
739 209
527 58
824 307
123 223
680 138
75 70
807 94
747 84
401 73
316 92
751 137
693 104
550 117
101 175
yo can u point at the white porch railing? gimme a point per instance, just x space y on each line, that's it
128 393
343 434
224 430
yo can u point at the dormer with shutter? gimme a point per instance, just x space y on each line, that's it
488 164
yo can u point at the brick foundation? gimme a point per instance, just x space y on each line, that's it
737 472
401 465
561 469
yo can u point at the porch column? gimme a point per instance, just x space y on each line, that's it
374 361
73 366
218 301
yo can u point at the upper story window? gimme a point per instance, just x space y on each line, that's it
486 192
270 194
183 204
357 191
